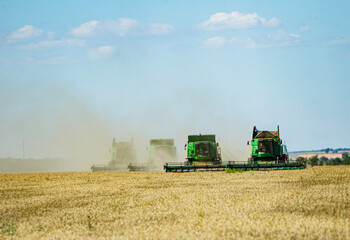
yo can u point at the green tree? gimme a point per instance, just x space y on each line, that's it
301 160
347 160
329 162
314 161
336 161
323 161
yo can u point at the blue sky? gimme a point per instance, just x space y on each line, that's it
150 69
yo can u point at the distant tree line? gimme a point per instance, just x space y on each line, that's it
316 161
326 150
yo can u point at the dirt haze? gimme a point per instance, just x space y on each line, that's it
56 123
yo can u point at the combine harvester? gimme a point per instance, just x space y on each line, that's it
122 153
159 151
268 153
203 154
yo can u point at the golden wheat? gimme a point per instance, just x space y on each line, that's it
301 204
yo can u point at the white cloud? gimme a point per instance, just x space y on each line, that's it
279 39
29 38
124 24
101 52
338 42
120 27
85 29
245 44
51 60
54 43
294 35
5 61
215 42
304 28
25 33
237 20
50 35
282 36
159 28
54 60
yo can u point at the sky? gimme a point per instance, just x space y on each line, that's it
75 74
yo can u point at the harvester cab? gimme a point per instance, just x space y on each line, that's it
202 149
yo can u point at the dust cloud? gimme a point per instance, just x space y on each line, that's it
56 124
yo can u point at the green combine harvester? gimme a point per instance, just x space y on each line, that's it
159 151
122 153
268 153
267 147
203 154
202 149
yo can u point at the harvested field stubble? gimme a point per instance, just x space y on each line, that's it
310 204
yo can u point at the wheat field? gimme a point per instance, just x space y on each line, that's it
296 204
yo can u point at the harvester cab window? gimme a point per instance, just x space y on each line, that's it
202 149
266 146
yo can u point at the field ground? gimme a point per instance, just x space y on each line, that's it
301 204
